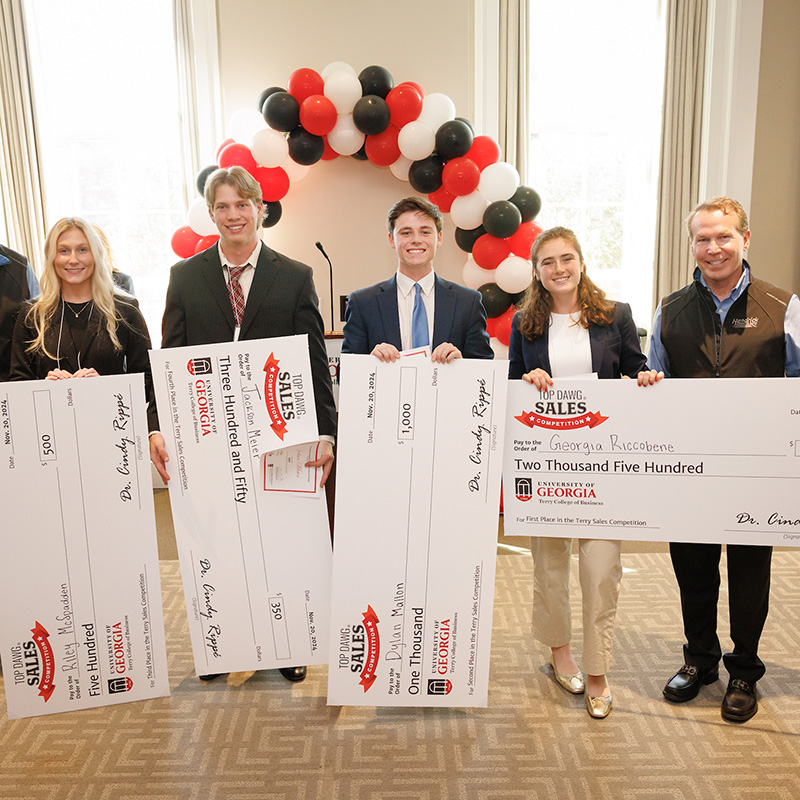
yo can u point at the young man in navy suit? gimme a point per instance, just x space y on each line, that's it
416 307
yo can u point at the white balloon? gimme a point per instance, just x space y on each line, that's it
400 168
199 220
467 210
437 108
514 274
295 171
244 124
343 89
416 140
269 148
498 182
500 349
475 276
345 138
336 66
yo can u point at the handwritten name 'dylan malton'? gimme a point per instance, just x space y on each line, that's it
481 412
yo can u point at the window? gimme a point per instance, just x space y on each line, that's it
596 87
105 87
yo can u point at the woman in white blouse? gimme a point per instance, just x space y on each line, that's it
567 327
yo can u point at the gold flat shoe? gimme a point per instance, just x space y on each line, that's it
572 683
598 707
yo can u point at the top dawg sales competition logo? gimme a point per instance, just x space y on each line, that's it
561 410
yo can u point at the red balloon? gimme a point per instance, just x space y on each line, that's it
329 154
222 146
237 155
442 199
491 325
303 83
461 176
274 183
206 242
484 151
382 148
413 86
489 251
522 241
405 104
317 114
502 326
184 241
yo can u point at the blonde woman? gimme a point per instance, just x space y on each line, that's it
81 325
567 327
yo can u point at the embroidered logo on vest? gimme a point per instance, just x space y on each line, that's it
745 322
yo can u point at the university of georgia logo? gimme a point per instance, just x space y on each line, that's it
119 684
439 686
523 489
199 366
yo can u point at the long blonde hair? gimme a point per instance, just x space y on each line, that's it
43 311
537 305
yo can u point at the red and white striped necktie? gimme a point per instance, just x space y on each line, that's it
236 293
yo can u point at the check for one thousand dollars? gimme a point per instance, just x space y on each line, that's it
702 460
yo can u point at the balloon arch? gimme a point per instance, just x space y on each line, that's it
321 116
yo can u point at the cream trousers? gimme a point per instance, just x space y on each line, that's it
600 572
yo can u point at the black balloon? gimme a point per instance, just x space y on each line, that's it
494 299
376 80
281 111
361 154
202 177
517 298
466 239
371 115
272 214
528 202
453 139
425 176
304 147
265 94
467 123
501 219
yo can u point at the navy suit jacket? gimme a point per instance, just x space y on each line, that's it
615 348
458 318
282 301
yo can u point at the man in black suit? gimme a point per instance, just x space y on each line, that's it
416 307
242 289
17 284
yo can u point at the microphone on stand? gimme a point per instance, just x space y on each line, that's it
330 269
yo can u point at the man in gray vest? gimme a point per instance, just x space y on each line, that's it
725 324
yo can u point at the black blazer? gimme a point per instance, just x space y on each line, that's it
98 350
615 348
458 318
282 302
13 292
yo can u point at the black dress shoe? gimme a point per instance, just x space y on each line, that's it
294 674
211 676
686 682
739 703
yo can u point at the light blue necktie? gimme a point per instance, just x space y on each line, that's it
419 321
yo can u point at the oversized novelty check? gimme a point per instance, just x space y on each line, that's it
418 485
79 586
702 460
255 556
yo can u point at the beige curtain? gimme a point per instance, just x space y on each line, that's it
23 197
679 180
513 90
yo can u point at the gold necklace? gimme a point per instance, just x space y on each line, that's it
82 308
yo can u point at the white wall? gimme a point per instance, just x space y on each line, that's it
343 203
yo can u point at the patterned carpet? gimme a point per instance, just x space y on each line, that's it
258 737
